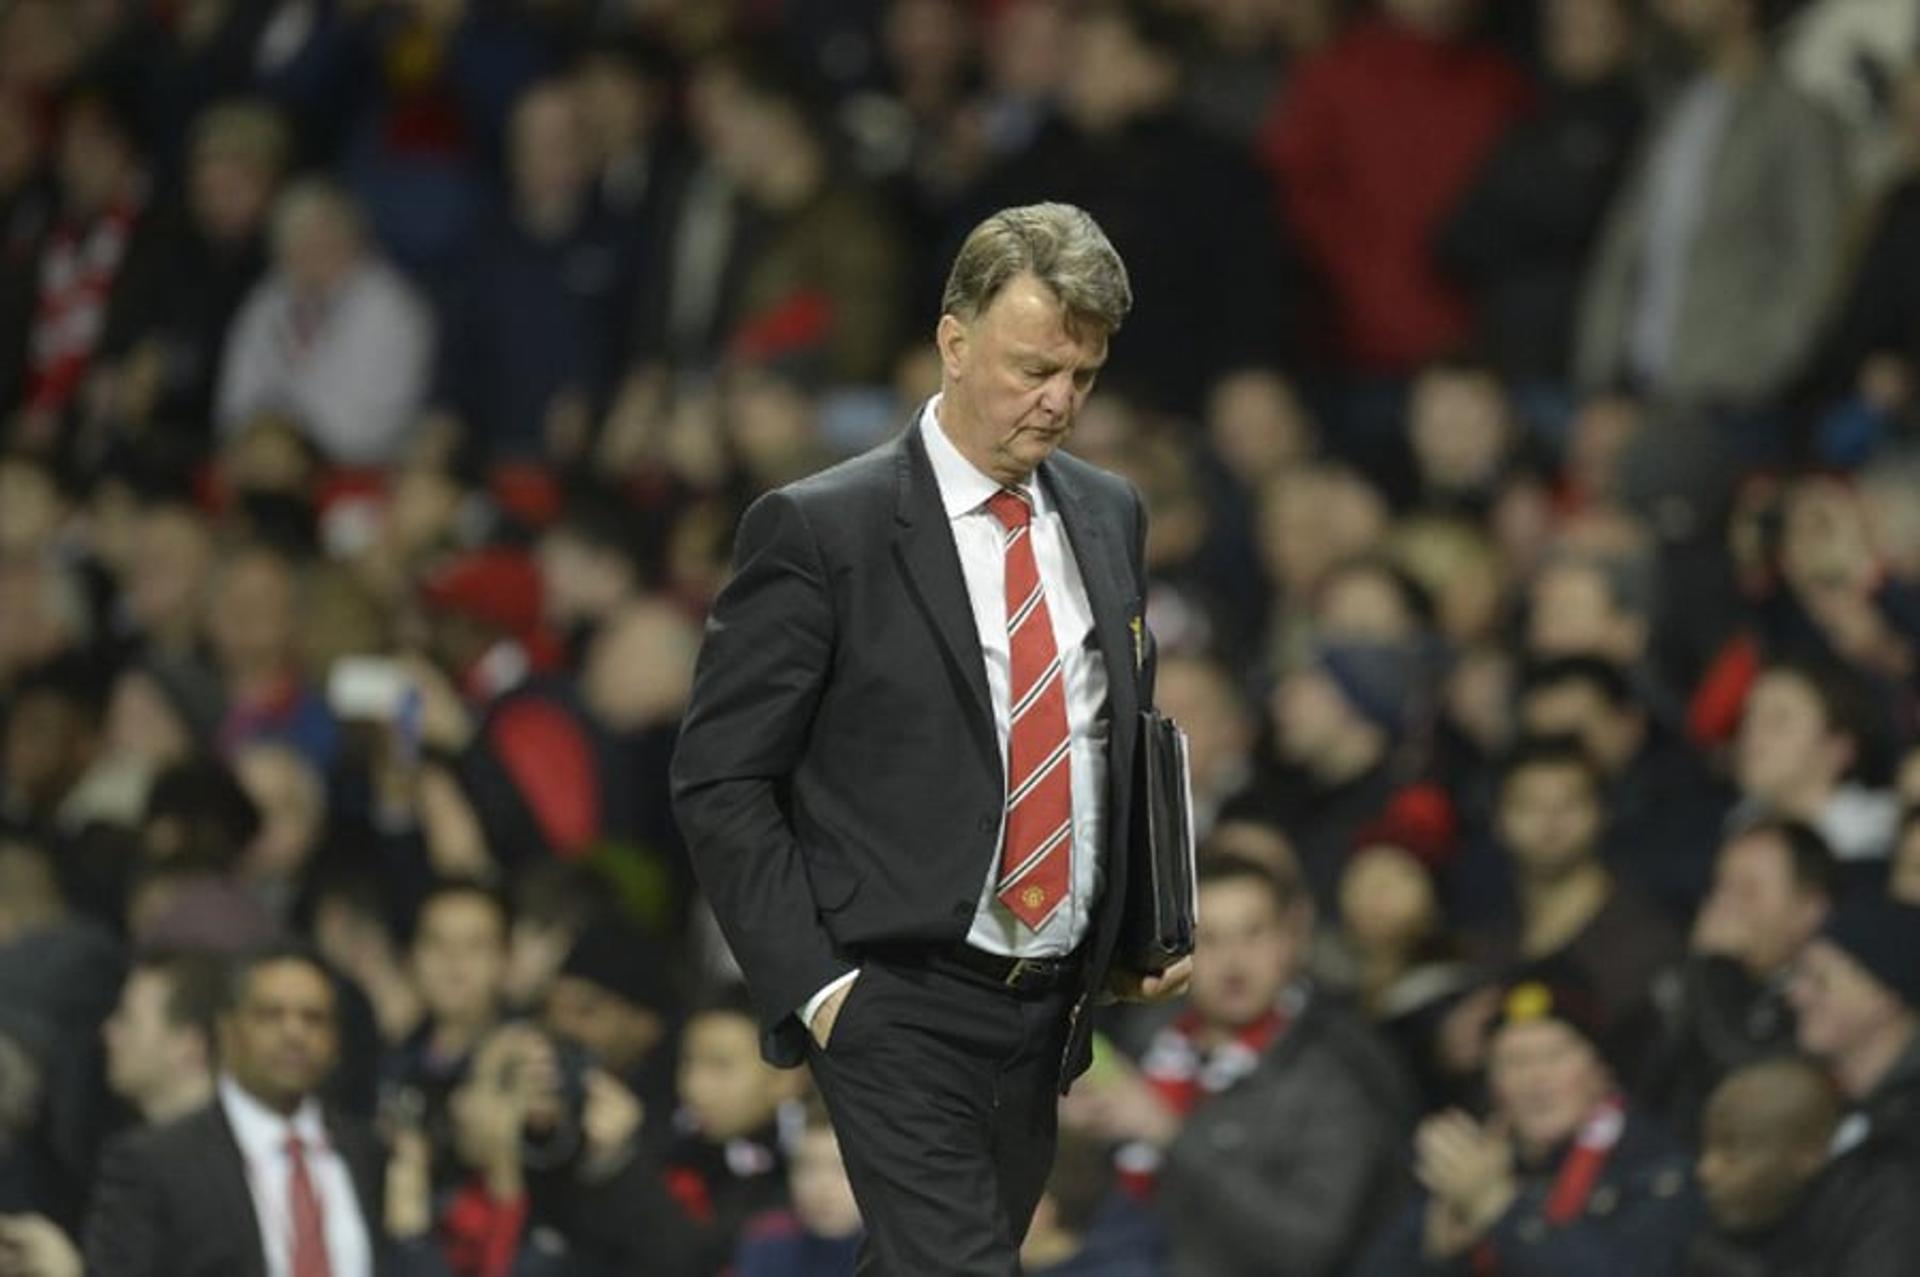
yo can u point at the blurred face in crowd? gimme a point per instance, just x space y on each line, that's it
146 1051
613 1030
142 724
1247 949
231 192
1610 734
1015 377
1571 611
1549 818
1757 911
1257 425
317 240
96 159
50 740
817 1178
1387 901
281 1040
252 616
1026 48
1362 602
726 1086
927 42
1840 1006
1460 429
1545 1079
1903 879
460 958
172 563
1199 695
1765 1136
1586 40
617 106
1312 519
771 423
1112 75
1787 753
549 156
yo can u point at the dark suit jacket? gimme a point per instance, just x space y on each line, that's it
838 774
172 1200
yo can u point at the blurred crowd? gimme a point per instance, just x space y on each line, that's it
1526 397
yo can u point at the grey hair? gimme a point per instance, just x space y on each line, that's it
1061 246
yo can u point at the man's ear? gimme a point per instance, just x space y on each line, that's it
953 337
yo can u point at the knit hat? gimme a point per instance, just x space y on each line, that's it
1551 990
1419 820
626 962
1377 679
1883 937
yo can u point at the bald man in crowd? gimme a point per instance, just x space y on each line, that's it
1782 1200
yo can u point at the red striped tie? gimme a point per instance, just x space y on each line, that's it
1036 855
309 1241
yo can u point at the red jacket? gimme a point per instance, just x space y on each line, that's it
1372 143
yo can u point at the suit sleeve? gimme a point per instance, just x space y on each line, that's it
123 1232
766 658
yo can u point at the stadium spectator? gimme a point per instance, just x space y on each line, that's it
1572 909
160 1038
1802 742
1263 1119
179 1198
1564 1176
727 1162
331 334
1856 992
533 322
1521 234
1664 806
1691 297
1779 1202
1725 1005
820 1235
1366 194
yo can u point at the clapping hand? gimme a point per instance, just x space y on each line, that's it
1468 1170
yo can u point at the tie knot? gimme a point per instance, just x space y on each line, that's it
296 1148
1011 508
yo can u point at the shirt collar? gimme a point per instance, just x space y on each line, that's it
261 1132
963 488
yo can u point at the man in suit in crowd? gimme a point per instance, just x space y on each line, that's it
261 1182
905 770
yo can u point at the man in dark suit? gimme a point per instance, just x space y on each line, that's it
261 1182
905 770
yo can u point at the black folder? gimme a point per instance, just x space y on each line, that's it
1157 928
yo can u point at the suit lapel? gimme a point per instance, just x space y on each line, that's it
227 1174
932 565
1099 558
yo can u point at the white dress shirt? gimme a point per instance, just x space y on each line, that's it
981 541
262 1136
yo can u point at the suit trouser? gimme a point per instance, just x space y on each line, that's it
943 1092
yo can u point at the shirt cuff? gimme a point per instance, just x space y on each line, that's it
813 1003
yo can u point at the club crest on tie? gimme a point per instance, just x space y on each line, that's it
1033 897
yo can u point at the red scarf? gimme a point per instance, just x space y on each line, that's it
1576 1178
78 268
1183 1073
479 1234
